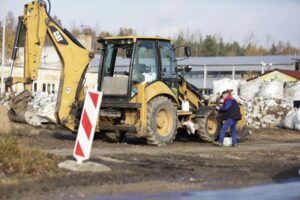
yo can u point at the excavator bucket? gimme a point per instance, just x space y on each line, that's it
21 113
18 107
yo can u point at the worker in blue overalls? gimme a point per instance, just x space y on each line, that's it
231 114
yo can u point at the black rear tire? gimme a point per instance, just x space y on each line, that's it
209 126
243 133
161 121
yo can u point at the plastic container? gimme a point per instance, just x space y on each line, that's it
227 142
185 106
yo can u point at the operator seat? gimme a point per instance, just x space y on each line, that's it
137 74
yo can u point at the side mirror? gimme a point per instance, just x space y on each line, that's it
187 52
188 68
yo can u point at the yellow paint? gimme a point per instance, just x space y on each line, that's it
277 75
242 122
189 95
135 38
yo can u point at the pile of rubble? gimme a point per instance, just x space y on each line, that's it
263 113
43 105
264 102
267 103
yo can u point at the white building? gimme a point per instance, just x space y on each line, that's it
49 72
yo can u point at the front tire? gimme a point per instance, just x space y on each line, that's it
209 126
161 121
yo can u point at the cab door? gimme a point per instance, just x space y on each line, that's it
145 64
168 65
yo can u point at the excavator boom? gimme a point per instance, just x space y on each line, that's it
37 23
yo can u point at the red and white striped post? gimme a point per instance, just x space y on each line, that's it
86 131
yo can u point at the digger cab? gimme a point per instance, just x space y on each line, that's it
130 61
143 90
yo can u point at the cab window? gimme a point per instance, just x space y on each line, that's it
168 60
145 65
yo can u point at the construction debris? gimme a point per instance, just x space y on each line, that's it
41 108
265 113
266 102
43 105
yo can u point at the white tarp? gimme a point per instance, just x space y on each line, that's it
249 90
292 120
288 121
272 90
297 120
226 84
292 93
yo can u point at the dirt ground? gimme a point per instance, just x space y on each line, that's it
269 155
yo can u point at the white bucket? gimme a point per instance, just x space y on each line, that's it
185 106
227 142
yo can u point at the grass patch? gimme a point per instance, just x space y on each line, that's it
16 159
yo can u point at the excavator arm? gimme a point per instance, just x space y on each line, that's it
36 23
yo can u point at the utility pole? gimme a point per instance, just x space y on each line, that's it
205 77
3 47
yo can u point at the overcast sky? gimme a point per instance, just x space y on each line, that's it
269 20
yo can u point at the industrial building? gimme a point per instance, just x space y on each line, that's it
208 69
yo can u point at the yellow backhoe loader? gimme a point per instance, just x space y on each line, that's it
149 96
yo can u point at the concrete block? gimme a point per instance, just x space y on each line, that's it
72 165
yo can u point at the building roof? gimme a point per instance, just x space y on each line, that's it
292 73
239 60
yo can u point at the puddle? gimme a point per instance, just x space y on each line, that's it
288 190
